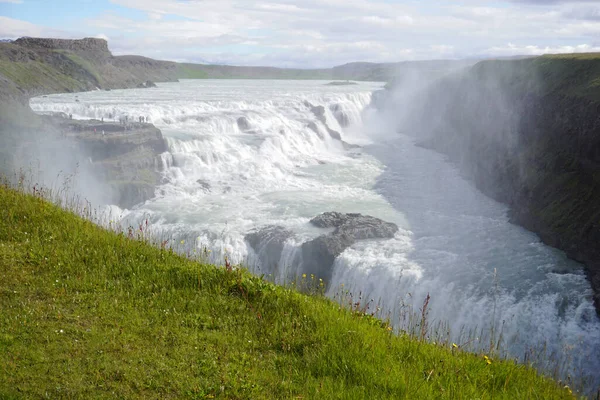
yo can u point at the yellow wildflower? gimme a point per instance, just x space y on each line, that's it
304 276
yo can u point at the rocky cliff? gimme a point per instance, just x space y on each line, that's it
527 132
125 163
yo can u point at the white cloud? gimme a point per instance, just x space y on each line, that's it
12 1
315 33
533 50
14 28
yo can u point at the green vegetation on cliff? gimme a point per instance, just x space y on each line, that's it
576 75
87 313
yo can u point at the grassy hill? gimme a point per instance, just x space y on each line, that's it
574 75
87 313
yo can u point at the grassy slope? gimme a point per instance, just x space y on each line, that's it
88 313
576 75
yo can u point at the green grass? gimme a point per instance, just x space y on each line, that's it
34 75
186 71
85 65
87 313
569 75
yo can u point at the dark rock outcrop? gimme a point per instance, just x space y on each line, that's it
319 112
85 44
128 194
319 254
341 117
312 125
147 84
268 243
341 83
243 124
126 157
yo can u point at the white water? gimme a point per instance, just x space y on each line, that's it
451 236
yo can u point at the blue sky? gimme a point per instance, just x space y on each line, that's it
313 33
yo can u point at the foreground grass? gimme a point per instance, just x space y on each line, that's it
86 313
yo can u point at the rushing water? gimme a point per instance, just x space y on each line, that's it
222 180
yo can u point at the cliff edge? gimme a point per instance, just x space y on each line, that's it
126 162
527 133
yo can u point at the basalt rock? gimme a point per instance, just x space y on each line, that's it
125 157
319 112
243 124
341 117
319 254
147 84
268 243
312 125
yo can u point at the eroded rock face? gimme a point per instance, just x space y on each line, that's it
313 127
268 243
340 115
125 157
86 44
319 112
319 254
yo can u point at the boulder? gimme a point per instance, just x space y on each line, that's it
147 84
268 243
319 254
312 125
243 124
318 111
334 134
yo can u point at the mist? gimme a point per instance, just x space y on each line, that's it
44 157
469 161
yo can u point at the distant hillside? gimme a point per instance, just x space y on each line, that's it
36 66
390 72
39 65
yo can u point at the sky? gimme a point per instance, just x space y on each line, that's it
313 33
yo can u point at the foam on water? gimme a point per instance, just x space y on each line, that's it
222 181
